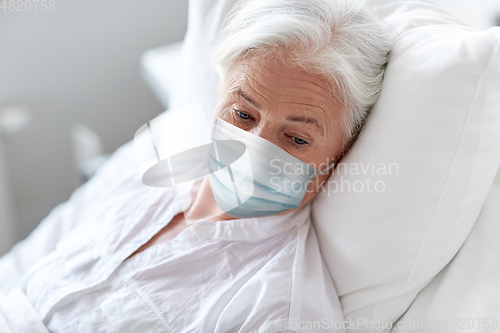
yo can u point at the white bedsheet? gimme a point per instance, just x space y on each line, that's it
17 315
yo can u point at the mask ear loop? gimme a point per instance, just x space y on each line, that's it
332 165
326 169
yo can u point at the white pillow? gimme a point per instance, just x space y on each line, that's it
198 82
438 119
464 295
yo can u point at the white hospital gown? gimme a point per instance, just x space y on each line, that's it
247 275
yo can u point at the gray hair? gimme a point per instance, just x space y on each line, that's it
339 39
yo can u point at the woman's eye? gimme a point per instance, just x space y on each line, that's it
243 115
299 141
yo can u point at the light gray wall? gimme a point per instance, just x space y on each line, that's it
79 63
481 14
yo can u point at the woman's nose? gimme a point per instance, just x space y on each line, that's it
266 131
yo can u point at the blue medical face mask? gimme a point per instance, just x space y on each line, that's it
265 180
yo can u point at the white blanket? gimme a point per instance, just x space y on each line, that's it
17 315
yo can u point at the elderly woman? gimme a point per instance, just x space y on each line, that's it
297 81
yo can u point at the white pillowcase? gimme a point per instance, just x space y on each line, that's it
436 130
464 295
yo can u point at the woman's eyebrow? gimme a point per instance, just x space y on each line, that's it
239 91
306 120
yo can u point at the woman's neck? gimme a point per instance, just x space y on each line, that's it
204 205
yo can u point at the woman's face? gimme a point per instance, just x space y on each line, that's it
286 106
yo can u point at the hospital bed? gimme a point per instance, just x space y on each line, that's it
422 255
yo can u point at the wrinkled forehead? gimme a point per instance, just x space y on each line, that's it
271 84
